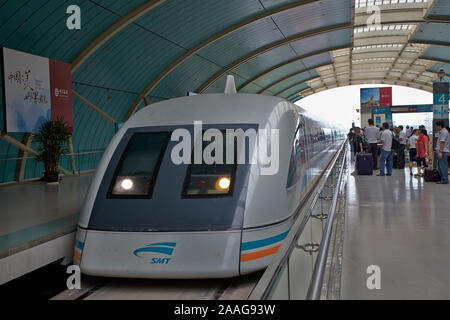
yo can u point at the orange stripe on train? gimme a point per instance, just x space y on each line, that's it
259 254
77 255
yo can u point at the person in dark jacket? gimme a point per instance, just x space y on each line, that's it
350 136
358 142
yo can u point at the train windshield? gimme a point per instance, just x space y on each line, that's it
215 178
137 169
144 188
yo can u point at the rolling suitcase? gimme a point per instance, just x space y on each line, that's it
395 161
365 164
431 175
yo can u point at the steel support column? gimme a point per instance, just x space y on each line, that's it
21 164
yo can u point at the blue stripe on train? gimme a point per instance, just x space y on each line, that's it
163 250
264 242
168 244
79 245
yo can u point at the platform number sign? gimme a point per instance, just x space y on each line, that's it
441 100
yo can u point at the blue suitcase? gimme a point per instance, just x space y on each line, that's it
365 165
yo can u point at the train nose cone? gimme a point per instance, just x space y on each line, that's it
162 255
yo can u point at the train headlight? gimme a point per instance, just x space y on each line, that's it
126 184
224 183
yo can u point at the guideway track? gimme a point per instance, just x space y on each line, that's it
95 288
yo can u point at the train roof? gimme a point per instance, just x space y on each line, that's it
211 109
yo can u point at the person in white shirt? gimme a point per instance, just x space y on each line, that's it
372 136
401 148
412 142
442 150
386 150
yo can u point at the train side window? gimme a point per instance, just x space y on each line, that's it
137 169
298 155
211 180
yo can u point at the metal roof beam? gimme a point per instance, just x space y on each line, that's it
404 80
393 12
352 67
351 70
294 85
93 106
289 62
431 42
207 42
280 43
435 59
403 83
269 47
293 75
351 80
21 162
113 29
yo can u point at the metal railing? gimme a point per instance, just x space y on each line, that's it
298 270
84 162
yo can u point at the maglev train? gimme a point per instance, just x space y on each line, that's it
149 215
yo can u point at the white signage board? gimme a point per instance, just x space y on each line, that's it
27 91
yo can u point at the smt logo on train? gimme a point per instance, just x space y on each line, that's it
160 260
165 248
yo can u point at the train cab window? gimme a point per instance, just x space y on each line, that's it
298 155
139 165
211 180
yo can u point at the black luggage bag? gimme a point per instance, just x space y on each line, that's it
431 175
395 161
365 164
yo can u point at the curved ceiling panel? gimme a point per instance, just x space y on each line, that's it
313 16
271 46
189 22
293 90
433 33
438 53
39 27
266 60
302 77
440 10
272 75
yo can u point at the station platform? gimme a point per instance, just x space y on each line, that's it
400 224
38 223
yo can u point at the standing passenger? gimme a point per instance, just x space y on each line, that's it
412 141
442 149
350 136
412 132
357 139
423 152
371 133
401 149
386 150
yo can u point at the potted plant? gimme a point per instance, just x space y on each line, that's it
52 138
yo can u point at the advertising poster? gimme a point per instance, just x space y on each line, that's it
36 89
385 97
375 98
27 91
370 98
61 91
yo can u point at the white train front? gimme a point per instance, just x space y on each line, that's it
148 217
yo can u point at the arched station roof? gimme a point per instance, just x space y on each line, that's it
131 53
